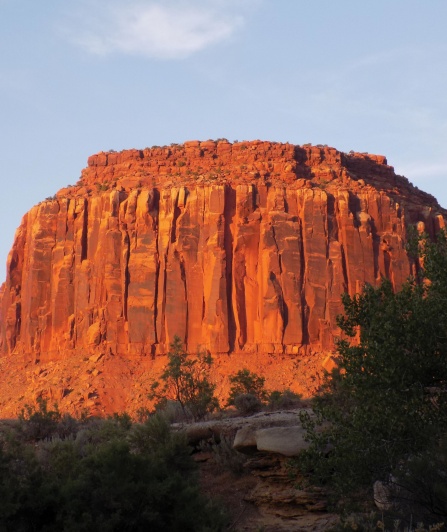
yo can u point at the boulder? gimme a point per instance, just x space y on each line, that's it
245 440
288 441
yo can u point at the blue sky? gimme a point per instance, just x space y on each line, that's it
83 76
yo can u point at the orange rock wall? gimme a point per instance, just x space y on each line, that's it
232 247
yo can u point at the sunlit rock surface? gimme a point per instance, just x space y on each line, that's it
241 249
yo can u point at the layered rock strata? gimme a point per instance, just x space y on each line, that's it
233 247
242 249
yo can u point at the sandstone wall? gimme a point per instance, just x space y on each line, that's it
243 247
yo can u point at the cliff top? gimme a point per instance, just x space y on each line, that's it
198 163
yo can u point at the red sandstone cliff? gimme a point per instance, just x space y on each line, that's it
243 249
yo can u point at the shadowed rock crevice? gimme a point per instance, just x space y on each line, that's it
84 242
229 213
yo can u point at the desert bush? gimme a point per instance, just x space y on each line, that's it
102 187
247 403
420 483
141 478
285 399
67 426
225 457
173 411
246 382
122 419
37 422
371 522
185 381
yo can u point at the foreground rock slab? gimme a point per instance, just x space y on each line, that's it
276 502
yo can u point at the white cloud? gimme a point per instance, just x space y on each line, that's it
164 29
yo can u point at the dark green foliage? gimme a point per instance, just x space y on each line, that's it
185 381
247 403
19 471
109 476
419 484
102 187
246 382
386 406
285 399
248 394
39 422
123 420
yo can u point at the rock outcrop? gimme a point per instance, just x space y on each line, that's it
273 499
242 249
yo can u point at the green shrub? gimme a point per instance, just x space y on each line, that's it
247 403
102 187
246 382
108 476
37 422
185 381
285 399
225 456
173 411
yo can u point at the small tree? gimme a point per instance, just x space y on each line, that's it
386 404
245 382
185 381
37 421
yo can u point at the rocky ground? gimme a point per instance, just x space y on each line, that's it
104 383
256 483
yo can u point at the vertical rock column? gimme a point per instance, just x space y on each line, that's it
315 248
171 297
215 314
36 289
246 241
11 303
139 215
190 249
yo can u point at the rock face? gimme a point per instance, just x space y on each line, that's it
273 499
235 248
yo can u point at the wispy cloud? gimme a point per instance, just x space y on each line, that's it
163 29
